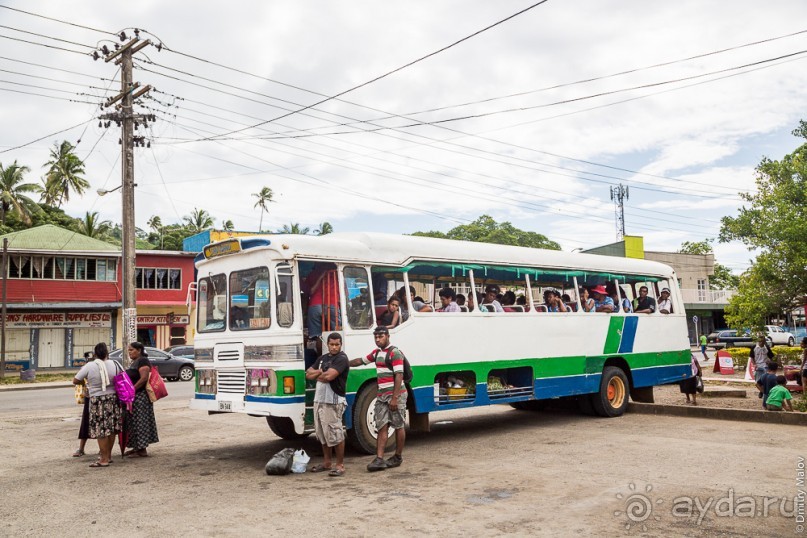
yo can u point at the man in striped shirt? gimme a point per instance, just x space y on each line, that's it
390 406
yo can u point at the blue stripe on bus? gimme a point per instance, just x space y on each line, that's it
275 399
200 396
628 334
660 375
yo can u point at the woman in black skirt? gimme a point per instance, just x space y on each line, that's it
140 423
690 386
84 428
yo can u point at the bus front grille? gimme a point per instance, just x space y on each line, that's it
232 382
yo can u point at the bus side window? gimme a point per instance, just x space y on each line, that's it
285 286
357 296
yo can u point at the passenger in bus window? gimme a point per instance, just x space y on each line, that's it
570 305
460 299
644 304
491 291
379 289
508 298
619 304
392 315
586 301
474 299
419 306
664 303
521 300
554 302
602 303
323 299
447 298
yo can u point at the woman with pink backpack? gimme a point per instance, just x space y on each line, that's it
105 409
139 422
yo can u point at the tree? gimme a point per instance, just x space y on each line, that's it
264 198
723 278
92 227
325 228
775 223
13 193
294 228
228 226
198 220
156 224
486 230
63 175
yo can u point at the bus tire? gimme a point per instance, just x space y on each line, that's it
612 399
283 427
362 436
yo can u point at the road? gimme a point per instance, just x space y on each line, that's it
490 471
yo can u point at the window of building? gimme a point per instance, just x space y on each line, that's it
158 278
61 268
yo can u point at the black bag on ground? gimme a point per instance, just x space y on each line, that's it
280 462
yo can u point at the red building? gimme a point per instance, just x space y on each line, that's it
64 296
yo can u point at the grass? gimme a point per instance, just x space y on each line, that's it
14 378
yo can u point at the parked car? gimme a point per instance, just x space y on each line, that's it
731 338
779 337
170 366
184 351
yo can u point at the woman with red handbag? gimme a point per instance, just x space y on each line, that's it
140 422
105 410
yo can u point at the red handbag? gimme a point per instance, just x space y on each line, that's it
156 386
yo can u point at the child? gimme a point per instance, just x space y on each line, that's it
779 395
392 315
767 381
690 386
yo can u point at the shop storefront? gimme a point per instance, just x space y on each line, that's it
163 330
55 339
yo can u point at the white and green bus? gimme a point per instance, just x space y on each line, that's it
251 344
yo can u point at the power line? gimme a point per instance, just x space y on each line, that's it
47 96
54 47
58 20
46 36
48 135
388 73
53 68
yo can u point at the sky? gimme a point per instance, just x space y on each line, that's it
531 121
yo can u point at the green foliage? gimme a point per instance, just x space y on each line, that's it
781 354
13 193
486 230
723 278
228 226
91 226
64 175
294 228
264 198
696 247
199 220
324 228
774 222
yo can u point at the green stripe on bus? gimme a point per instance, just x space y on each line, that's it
614 334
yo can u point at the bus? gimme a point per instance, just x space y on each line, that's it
253 316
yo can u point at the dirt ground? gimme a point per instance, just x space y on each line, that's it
487 471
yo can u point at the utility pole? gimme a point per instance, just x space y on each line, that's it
3 310
618 195
128 121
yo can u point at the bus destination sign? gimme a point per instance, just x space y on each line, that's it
230 246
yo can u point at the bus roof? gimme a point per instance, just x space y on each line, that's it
399 250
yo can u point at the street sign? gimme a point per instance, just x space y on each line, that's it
694 319
724 364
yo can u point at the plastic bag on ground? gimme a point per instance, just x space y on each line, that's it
300 461
281 462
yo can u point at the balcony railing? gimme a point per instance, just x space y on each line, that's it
707 296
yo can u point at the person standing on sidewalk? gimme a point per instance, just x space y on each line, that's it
760 355
84 428
330 372
704 341
390 406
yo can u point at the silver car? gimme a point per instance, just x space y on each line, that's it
169 366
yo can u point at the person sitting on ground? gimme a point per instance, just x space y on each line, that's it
491 291
509 298
460 299
554 303
779 396
767 381
392 315
447 298
602 303
586 302
644 304
664 302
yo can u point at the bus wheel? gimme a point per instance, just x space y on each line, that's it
283 427
612 400
363 435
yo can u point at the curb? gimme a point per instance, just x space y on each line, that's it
744 415
33 386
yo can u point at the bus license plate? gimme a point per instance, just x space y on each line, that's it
225 406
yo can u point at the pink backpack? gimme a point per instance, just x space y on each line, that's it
124 387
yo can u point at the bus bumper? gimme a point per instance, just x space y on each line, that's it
292 407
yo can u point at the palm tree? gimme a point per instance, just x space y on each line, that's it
198 220
156 224
12 193
264 197
92 227
64 175
325 228
293 228
228 226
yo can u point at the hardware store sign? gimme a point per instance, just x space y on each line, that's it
59 319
